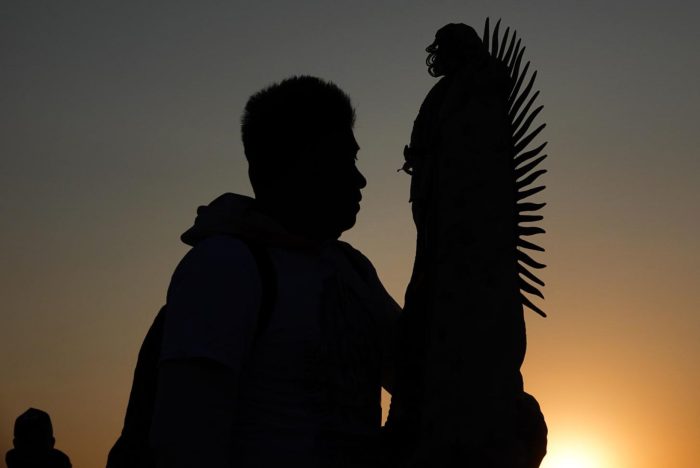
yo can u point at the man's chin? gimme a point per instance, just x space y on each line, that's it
347 224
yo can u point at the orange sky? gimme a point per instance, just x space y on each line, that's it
117 121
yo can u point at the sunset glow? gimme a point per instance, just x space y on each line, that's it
118 119
576 455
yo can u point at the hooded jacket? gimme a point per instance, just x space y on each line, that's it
310 384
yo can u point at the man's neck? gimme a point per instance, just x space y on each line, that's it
295 222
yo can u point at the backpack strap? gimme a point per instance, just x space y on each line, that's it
268 283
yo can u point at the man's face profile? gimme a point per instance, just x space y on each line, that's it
327 183
299 141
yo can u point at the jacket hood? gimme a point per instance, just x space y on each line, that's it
236 215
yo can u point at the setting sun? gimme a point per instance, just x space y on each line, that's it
576 455
119 119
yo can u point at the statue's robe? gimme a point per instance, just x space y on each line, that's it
459 389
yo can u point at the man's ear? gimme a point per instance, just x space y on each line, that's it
53 442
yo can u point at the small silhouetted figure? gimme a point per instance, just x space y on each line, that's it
34 443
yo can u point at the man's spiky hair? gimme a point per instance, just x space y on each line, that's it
281 120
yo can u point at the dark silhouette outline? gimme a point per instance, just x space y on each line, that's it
301 152
462 336
34 443
459 398
132 448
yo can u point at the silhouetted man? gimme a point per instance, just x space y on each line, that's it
34 443
298 385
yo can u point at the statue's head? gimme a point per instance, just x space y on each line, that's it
301 150
456 45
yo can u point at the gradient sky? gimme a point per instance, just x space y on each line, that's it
118 118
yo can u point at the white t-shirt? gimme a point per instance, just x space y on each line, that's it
310 384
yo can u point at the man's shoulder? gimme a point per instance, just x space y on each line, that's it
212 302
357 258
216 263
364 267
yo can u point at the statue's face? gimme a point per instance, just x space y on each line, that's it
327 183
455 46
